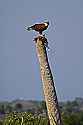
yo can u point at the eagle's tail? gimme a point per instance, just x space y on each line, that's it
29 28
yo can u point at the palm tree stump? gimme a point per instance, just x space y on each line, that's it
48 83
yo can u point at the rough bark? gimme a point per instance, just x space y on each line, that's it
48 83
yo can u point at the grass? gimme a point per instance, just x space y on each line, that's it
23 118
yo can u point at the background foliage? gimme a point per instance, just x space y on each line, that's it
35 113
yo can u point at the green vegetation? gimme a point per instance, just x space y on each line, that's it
73 119
35 113
24 118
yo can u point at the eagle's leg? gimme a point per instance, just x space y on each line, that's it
43 35
40 32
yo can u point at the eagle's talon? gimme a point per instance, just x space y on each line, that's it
44 35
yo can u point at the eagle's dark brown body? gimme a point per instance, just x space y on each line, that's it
39 27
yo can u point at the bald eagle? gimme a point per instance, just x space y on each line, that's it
40 27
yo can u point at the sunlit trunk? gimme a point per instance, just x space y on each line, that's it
48 83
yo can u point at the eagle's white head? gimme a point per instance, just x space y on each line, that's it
46 24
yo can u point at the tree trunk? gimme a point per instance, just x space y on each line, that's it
48 84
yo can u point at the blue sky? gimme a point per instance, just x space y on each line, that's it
19 67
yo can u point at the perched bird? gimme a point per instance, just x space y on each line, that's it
39 27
